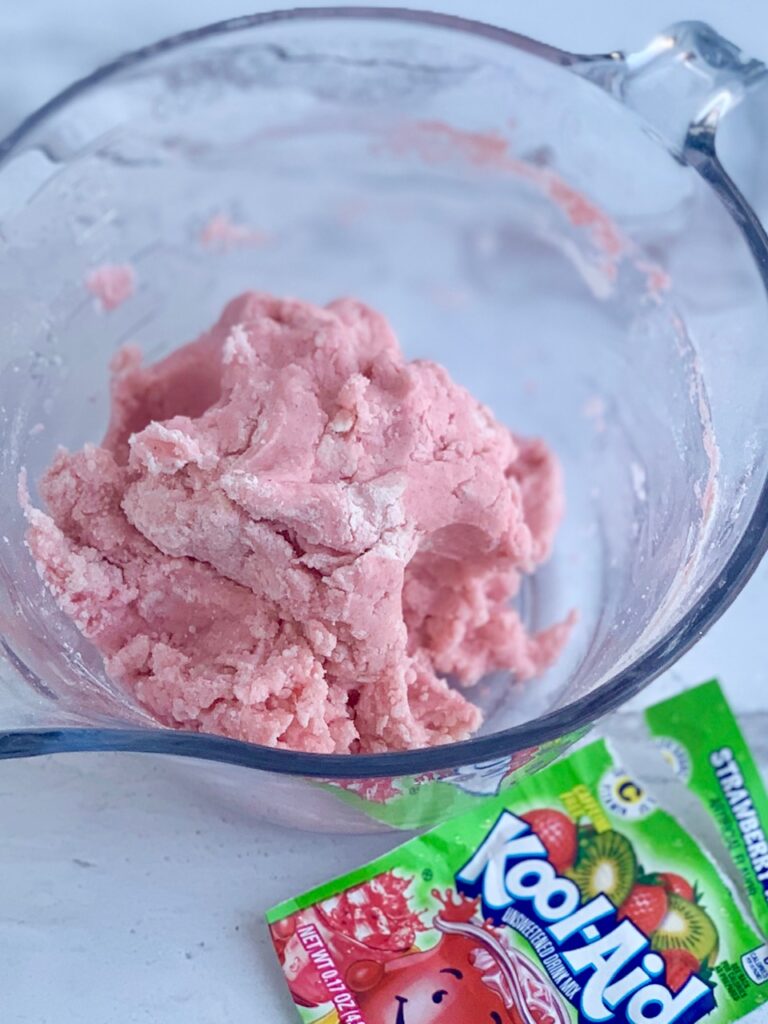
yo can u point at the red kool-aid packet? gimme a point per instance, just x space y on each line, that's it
575 897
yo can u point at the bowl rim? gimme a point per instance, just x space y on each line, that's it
559 724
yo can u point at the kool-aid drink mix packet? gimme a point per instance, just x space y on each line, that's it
575 896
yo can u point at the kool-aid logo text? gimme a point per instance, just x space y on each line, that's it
604 967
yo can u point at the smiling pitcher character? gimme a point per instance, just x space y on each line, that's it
469 974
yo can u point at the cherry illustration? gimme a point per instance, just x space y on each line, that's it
364 975
283 930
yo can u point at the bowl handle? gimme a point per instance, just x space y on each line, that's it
681 84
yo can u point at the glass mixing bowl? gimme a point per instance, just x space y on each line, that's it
558 230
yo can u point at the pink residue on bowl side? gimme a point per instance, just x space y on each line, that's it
658 279
436 142
594 409
111 284
223 232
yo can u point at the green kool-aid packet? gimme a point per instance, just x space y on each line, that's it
573 897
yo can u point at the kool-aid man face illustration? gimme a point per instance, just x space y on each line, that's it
439 987
468 977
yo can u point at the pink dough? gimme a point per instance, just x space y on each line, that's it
291 536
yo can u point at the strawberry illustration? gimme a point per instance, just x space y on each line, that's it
645 906
681 964
558 834
677 884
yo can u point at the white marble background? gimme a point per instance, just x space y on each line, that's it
123 898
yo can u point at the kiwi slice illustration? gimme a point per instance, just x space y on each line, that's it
686 926
606 863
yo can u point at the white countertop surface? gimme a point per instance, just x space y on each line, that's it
124 896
